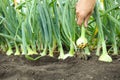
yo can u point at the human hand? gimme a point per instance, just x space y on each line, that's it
84 9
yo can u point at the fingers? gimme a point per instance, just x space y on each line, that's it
80 18
86 19
84 10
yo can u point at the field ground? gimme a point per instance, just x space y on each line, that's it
46 68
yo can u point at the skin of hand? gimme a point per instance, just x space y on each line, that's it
15 2
84 9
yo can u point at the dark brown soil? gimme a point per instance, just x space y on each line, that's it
46 68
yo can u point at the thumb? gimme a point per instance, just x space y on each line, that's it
86 20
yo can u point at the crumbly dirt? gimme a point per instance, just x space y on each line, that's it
47 68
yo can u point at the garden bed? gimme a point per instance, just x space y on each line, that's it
47 68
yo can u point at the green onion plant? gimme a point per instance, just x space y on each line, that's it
42 27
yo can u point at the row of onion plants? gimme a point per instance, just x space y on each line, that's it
45 27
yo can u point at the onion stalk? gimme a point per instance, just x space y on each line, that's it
66 17
17 49
82 40
9 51
104 56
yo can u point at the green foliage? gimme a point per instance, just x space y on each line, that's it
41 27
